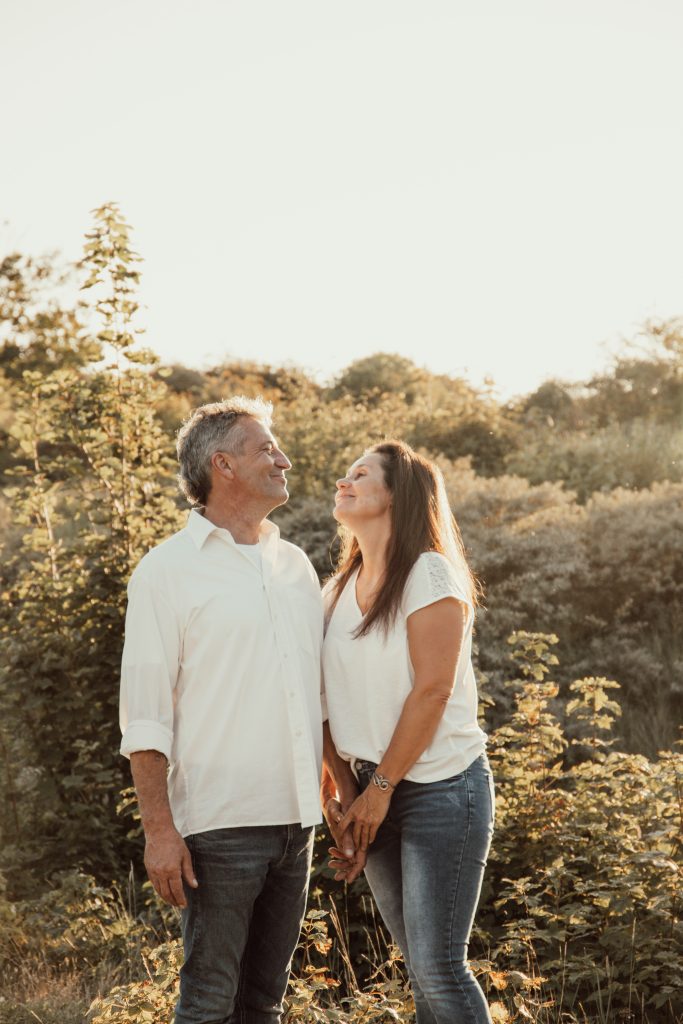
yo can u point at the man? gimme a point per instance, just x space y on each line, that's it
221 682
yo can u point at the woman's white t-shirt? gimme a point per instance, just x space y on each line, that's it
367 680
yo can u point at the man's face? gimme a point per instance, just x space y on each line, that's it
259 468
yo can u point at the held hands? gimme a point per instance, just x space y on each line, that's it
168 862
357 826
346 860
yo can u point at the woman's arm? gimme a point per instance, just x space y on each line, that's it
435 635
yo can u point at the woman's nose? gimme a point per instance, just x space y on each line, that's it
341 483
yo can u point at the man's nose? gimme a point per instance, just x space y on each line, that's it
282 460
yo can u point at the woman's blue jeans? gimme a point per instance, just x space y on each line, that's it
425 871
241 925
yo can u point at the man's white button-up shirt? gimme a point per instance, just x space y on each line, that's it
221 673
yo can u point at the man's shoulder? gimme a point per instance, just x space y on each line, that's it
297 556
293 549
163 557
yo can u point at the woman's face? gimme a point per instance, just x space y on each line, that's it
362 494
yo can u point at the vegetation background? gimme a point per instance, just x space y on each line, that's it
570 503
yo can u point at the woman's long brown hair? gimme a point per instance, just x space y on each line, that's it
416 526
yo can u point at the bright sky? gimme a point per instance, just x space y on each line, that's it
489 189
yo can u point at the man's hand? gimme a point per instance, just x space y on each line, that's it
346 869
343 840
168 862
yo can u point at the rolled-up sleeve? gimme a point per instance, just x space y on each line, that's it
149 669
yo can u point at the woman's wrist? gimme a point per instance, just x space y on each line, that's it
384 780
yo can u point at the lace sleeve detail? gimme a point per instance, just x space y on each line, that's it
432 579
440 575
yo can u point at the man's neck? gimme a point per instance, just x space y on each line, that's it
244 524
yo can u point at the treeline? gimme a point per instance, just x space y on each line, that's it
570 503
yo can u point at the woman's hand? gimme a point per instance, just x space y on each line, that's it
365 815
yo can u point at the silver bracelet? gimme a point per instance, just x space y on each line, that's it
381 783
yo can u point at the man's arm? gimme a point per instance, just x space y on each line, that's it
149 669
346 860
167 858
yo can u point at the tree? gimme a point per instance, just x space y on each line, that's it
93 490
368 379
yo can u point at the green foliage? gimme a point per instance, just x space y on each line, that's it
59 949
313 996
443 414
586 867
148 1000
645 381
632 455
91 493
620 429
607 577
580 918
75 926
369 379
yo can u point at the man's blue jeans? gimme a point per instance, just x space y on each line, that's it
425 871
241 925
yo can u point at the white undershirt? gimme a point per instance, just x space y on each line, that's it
253 553
367 680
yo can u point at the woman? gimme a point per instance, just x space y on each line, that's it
403 750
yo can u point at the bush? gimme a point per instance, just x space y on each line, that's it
579 921
633 455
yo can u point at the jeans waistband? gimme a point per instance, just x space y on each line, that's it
366 767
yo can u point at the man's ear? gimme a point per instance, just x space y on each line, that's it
220 463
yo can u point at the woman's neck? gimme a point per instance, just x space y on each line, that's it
373 541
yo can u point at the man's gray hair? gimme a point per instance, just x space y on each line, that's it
216 427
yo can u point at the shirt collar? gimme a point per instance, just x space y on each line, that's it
199 528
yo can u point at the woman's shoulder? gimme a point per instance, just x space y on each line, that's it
433 567
432 578
433 561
